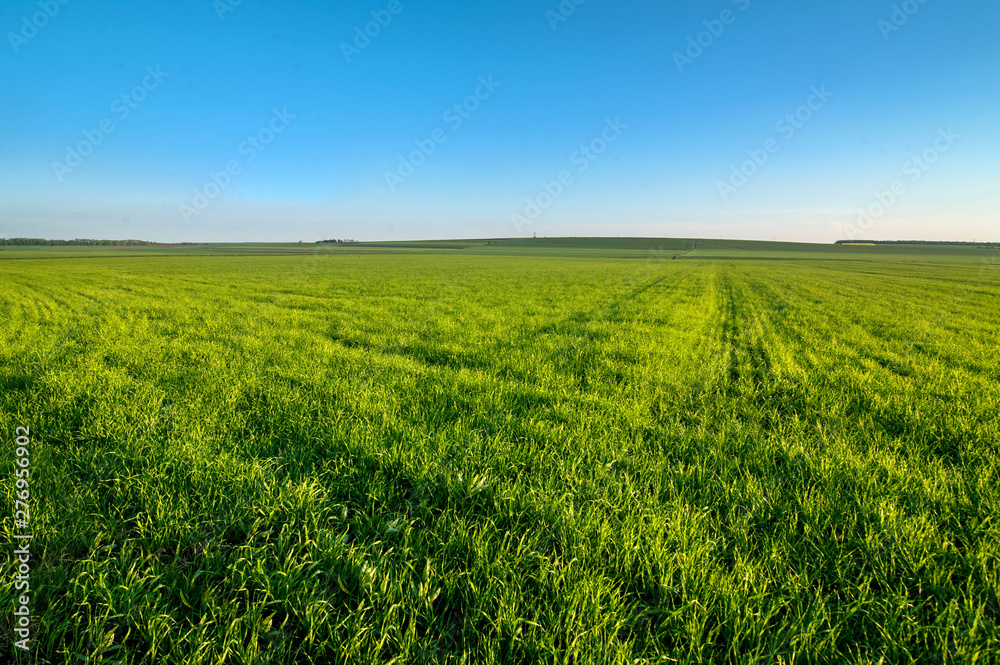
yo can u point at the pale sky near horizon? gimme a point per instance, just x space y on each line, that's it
257 120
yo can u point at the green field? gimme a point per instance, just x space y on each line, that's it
509 451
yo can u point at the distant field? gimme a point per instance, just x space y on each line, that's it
510 451
623 248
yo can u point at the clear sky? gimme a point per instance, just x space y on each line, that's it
263 120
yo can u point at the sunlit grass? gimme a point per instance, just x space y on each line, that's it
485 459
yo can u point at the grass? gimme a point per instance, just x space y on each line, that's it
500 454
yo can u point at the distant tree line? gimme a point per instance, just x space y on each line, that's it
917 242
87 242
336 242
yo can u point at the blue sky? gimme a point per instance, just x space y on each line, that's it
271 121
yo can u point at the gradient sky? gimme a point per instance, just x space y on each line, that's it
682 126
